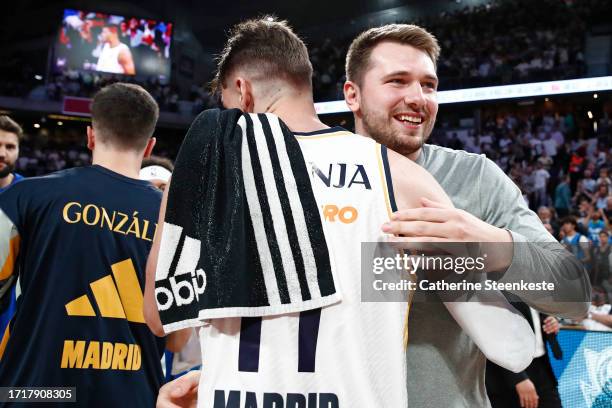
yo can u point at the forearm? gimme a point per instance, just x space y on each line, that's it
151 313
537 256
603 319
175 341
511 379
551 263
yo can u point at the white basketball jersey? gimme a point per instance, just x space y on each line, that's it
109 58
348 355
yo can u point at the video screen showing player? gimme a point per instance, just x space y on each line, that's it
101 42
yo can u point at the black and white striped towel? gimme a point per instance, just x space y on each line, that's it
242 234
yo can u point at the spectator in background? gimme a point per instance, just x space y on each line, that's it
545 160
601 196
602 259
605 319
577 159
546 216
604 178
157 170
583 215
10 133
574 241
595 223
540 184
563 197
558 137
588 183
608 210
599 318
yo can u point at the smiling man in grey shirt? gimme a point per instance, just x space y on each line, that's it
391 88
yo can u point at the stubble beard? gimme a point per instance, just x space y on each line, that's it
8 169
377 127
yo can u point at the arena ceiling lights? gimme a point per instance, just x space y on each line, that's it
500 92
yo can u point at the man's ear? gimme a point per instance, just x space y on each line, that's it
247 102
352 96
149 149
91 138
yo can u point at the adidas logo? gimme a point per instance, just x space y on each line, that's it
182 289
121 301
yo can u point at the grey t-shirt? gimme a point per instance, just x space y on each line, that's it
445 368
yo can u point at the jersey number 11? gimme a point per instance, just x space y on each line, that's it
250 341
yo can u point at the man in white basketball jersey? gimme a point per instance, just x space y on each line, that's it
349 354
115 56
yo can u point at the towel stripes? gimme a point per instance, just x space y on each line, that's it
243 235
289 260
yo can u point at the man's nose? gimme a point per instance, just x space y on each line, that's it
414 97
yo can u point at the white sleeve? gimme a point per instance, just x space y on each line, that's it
500 331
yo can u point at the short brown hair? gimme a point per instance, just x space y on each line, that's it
358 56
9 125
570 219
124 115
270 46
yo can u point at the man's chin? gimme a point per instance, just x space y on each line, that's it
411 142
6 170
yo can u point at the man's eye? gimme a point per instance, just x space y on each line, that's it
429 85
396 81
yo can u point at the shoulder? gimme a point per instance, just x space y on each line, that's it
338 140
358 139
336 133
459 163
29 193
421 183
439 154
22 184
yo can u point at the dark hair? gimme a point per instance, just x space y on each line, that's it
570 220
158 161
358 55
9 125
124 115
268 46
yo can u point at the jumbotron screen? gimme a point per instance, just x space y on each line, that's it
92 41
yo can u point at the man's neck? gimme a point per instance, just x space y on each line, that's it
114 42
414 156
124 163
6 181
296 110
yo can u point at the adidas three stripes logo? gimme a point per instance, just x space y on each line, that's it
119 298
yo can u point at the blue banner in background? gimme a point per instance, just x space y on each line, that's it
585 372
